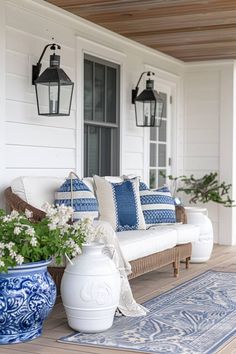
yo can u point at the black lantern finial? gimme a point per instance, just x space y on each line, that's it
148 104
53 87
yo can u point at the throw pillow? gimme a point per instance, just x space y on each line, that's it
119 204
75 193
157 205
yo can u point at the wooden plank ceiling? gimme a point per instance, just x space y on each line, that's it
189 30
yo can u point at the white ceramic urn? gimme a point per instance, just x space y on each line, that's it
202 248
90 290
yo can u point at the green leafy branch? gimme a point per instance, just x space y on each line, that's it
204 189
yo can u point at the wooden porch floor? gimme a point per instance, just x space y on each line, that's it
144 288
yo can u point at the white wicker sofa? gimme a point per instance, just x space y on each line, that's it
146 250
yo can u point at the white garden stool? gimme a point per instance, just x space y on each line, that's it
202 248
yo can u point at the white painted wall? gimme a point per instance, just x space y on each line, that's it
33 145
48 146
209 132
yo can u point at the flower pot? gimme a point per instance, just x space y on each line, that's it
90 290
202 248
27 295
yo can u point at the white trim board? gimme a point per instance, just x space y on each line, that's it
85 46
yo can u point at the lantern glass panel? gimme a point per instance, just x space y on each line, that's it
53 93
160 110
145 113
65 99
42 98
139 109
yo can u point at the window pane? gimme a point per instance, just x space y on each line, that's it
161 179
93 150
153 155
161 155
152 179
99 92
88 90
153 133
164 98
101 102
105 151
162 131
111 95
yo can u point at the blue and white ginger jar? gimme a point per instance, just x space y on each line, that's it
27 295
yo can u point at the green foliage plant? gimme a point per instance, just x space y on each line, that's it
204 190
24 241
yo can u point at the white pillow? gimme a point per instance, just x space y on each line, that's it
36 190
119 204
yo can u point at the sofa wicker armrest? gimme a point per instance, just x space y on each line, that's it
181 215
18 204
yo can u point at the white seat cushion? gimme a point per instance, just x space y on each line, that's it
141 243
187 233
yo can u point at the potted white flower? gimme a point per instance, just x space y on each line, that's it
27 291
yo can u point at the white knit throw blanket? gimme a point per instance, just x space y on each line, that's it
127 305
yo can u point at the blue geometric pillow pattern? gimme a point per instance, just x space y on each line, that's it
157 205
119 204
76 194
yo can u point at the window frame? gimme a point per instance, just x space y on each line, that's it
115 138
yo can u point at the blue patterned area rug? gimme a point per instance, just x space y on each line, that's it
196 317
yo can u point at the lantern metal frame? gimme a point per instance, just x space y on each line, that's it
52 74
148 94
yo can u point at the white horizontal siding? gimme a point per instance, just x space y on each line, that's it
202 135
34 144
134 144
201 150
25 134
16 172
26 113
133 161
203 163
201 145
39 157
39 26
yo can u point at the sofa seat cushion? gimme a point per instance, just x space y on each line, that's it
185 232
141 243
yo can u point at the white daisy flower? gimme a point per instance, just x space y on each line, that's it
17 230
19 259
28 213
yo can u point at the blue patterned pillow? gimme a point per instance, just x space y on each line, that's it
157 205
119 204
76 194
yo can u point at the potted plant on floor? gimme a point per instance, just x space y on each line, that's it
27 291
202 190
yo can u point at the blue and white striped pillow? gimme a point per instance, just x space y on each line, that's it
157 205
75 193
119 204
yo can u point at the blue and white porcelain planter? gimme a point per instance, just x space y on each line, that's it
27 295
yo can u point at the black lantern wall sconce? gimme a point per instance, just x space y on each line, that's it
53 87
148 104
